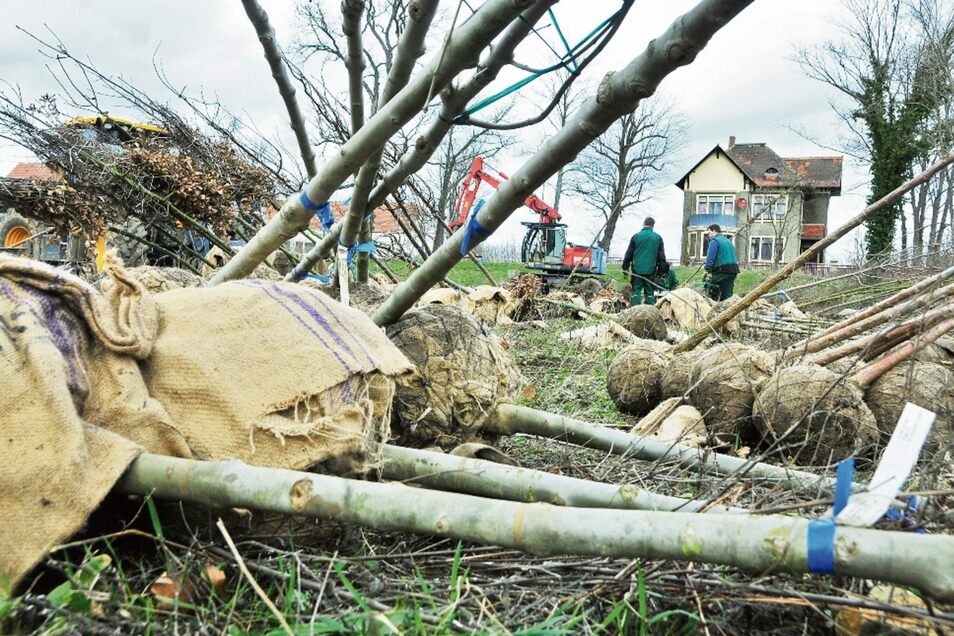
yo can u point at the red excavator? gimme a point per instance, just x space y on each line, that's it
544 246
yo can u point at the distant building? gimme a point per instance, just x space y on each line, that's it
385 227
773 208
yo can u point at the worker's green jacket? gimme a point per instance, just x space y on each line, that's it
720 257
644 253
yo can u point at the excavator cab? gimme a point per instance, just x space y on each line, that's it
543 244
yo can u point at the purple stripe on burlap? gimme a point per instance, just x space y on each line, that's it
324 299
320 319
63 328
350 368
66 336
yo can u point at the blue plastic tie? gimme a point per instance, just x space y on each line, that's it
821 546
844 475
355 248
323 279
473 227
321 210
821 532
897 515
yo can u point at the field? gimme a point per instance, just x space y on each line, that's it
467 274
156 567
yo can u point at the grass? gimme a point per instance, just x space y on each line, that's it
466 273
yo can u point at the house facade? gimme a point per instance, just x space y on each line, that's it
772 208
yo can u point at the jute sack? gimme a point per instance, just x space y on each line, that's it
75 411
271 373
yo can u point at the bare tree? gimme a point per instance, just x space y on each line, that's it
440 180
894 67
622 167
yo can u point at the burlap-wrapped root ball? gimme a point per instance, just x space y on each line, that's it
675 378
644 321
829 416
928 385
723 383
633 379
160 279
462 373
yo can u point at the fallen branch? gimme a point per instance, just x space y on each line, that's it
812 344
874 370
510 418
761 544
498 481
890 336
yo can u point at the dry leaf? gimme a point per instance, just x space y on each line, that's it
529 392
166 588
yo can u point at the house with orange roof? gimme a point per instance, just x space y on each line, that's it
385 223
773 208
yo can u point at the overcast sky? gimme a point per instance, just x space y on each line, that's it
744 83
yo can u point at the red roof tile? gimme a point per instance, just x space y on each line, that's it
32 171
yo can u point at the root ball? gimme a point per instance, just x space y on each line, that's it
462 373
644 321
928 385
675 377
827 415
724 380
633 379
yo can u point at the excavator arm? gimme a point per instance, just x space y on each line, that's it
478 174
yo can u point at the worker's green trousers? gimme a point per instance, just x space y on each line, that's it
642 291
721 286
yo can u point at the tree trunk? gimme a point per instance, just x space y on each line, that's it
510 419
455 101
499 481
759 544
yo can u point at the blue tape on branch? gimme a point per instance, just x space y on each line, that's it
322 279
821 546
821 532
473 227
298 274
843 477
356 248
321 210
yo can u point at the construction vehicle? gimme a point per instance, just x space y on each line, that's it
22 237
544 248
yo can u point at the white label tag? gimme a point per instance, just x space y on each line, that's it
865 508
345 297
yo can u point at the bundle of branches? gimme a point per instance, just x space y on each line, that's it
181 176
46 200
524 289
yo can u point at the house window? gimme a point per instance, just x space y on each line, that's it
769 206
704 241
766 248
715 204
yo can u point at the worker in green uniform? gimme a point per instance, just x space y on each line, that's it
645 254
721 264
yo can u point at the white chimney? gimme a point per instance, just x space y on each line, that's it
731 141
